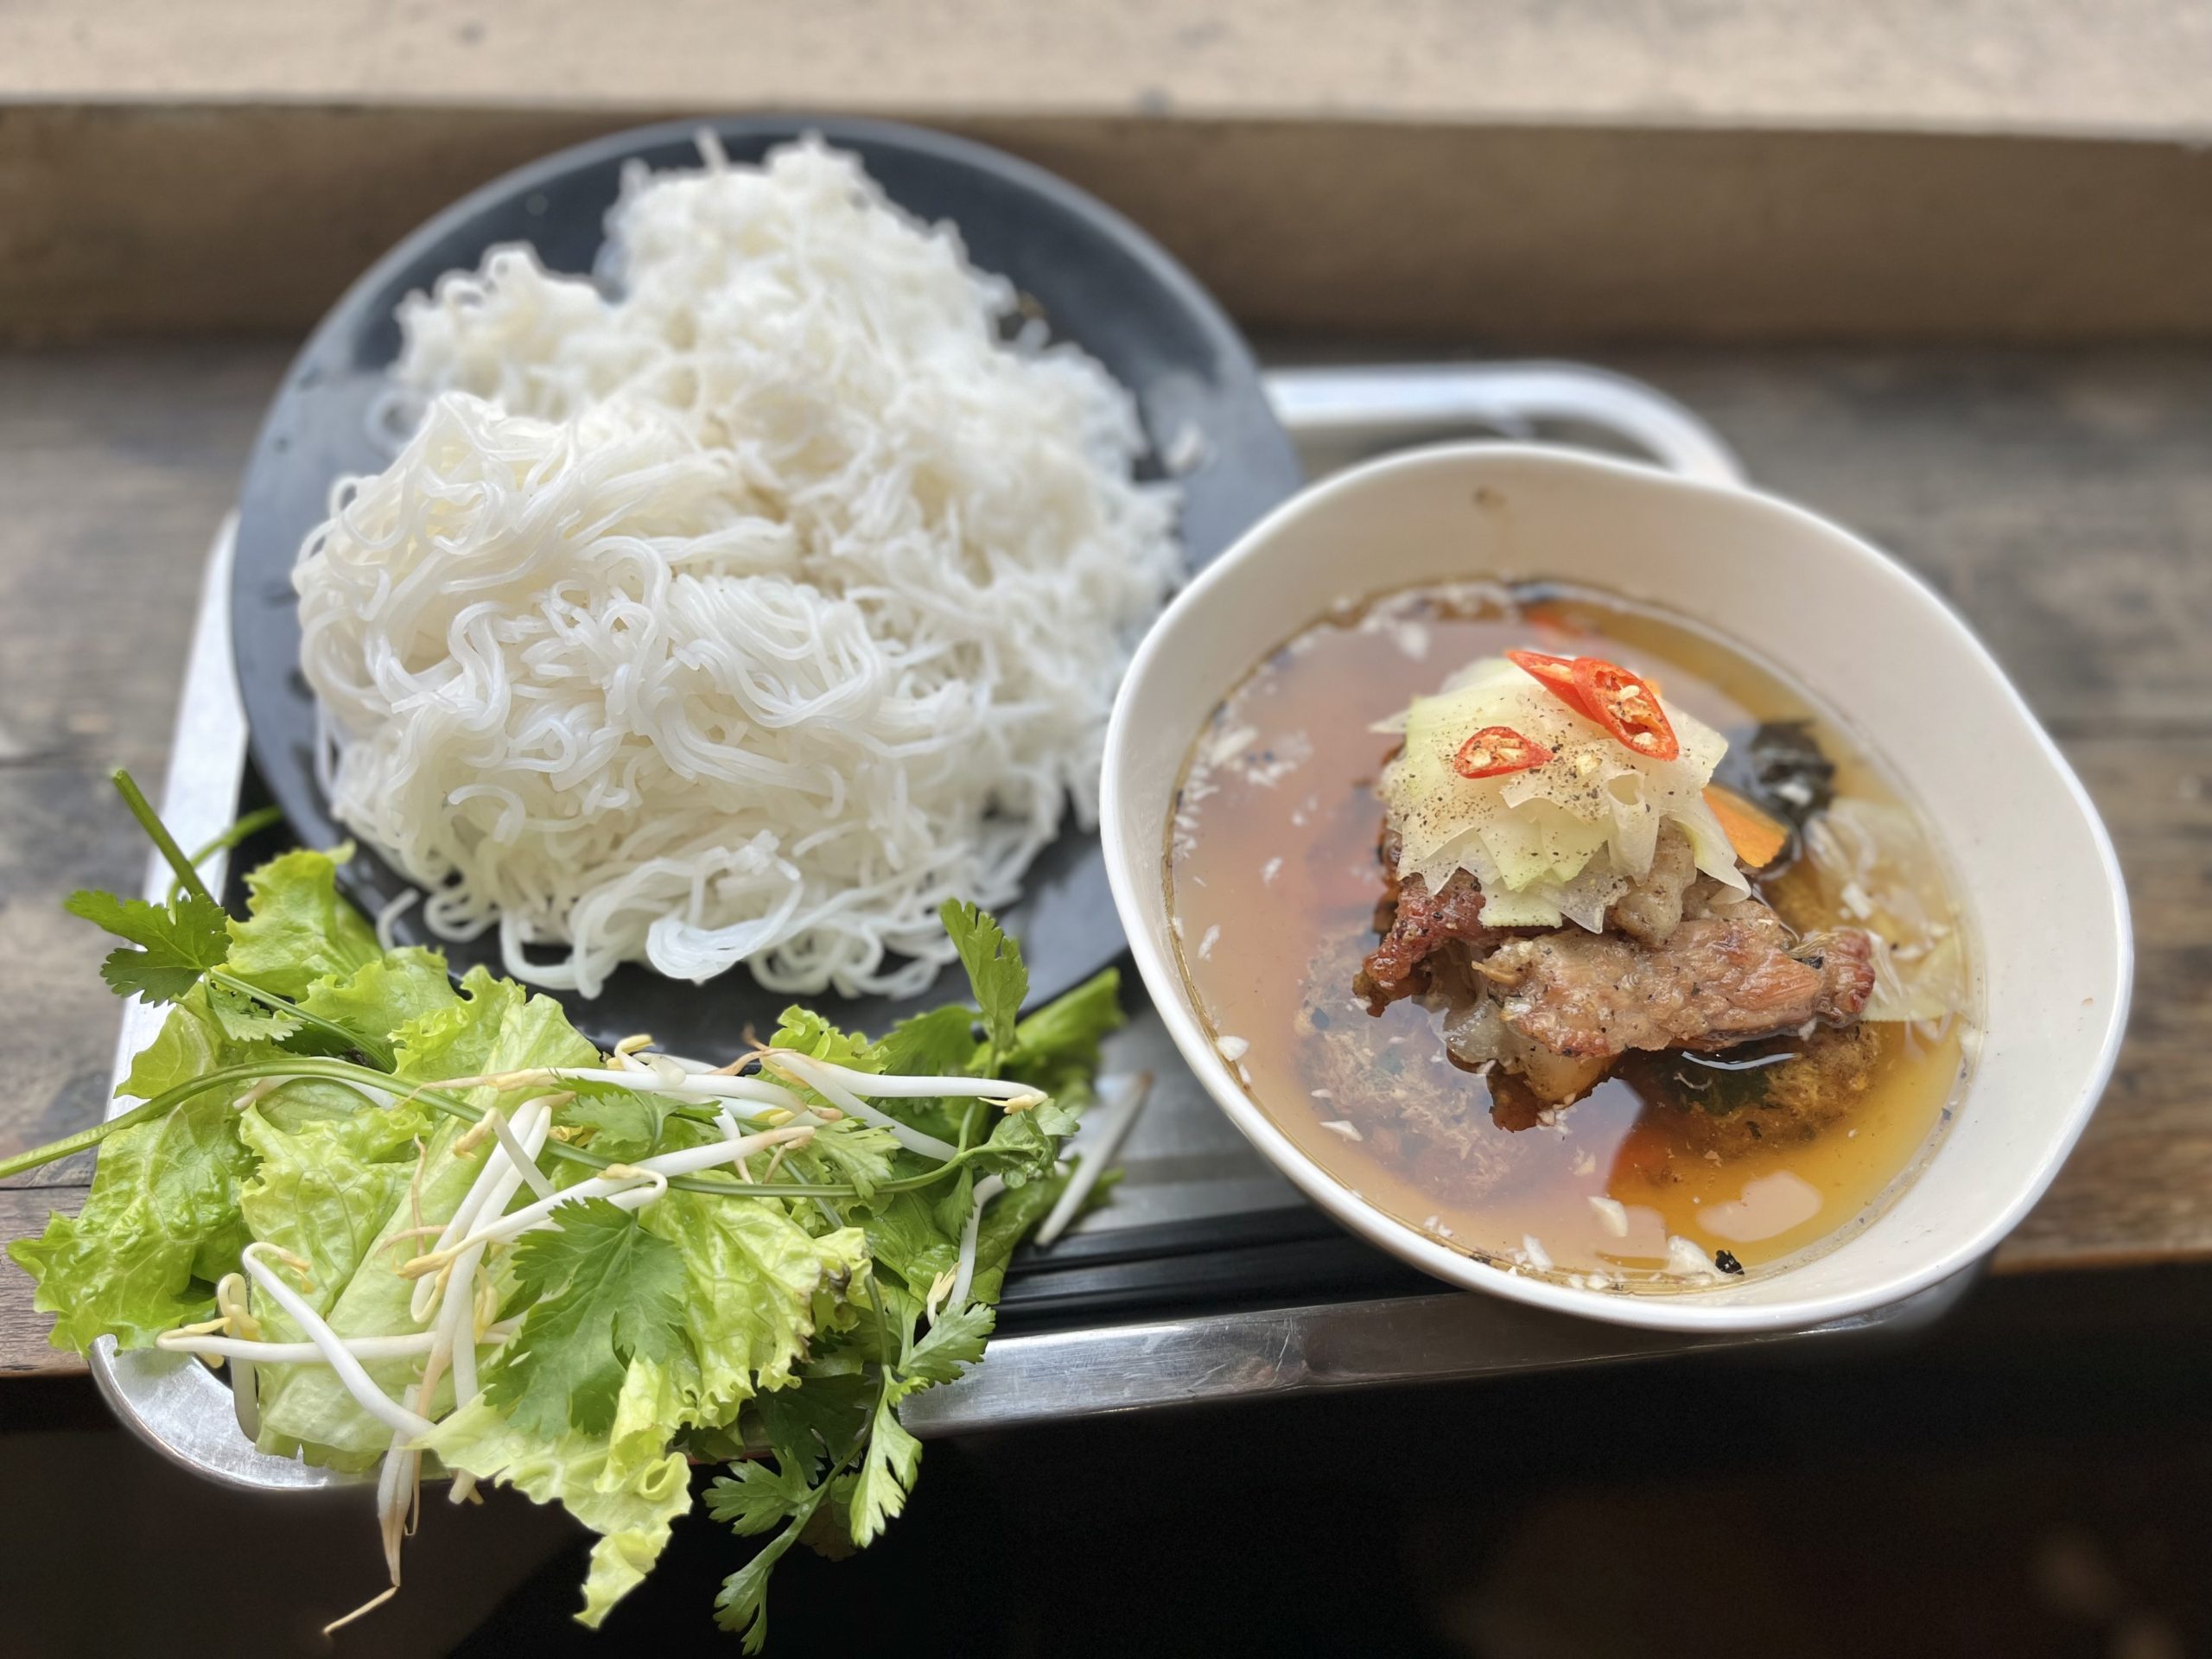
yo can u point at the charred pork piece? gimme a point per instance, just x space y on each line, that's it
1420 923
1724 978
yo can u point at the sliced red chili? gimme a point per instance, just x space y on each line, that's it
1496 750
1627 707
1557 675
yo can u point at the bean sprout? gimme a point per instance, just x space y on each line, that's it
357 1382
372 1349
1101 1138
986 1189
823 1078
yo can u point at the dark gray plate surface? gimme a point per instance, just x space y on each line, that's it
1099 282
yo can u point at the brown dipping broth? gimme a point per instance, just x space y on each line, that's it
1272 861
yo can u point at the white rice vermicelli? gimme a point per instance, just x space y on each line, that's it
745 615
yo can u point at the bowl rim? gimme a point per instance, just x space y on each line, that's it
1685 1310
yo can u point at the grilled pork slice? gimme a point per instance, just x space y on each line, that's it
1726 974
1417 924
1421 923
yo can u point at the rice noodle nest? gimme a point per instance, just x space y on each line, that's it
743 605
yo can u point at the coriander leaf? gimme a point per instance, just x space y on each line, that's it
1007 1222
941 1042
160 1226
244 1021
742 1606
951 1345
950 1209
850 1149
1019 1150
625 1124
821 1418
994 970
604 1289
905 1237
823 1532
938 1044
632 1513
754 1498
178 943
810 1034
886 1473
1056 1049
298 930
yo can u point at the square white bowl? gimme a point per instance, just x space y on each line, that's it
2040 885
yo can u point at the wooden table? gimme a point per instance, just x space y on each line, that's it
2061 500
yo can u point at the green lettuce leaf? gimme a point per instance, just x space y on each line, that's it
632 1513
380 997
602 1291
325 1188
494 1025
305 1409
298 930
160 1226
758 1288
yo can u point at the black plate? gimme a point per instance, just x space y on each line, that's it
1101 282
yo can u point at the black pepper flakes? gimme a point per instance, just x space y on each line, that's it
1726 1261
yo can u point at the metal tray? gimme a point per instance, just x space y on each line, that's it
1208 1278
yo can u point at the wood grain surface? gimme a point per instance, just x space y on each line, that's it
163 219
2061 500
2042 66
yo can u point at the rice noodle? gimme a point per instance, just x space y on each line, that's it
744 609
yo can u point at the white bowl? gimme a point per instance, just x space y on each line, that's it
2041 885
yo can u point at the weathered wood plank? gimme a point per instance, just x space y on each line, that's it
2061 501
114 470
24 1351
2140 1185
1517 233
2071 65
